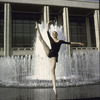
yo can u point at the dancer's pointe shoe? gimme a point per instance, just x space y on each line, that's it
54 89
36 27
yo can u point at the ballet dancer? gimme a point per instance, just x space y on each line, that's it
53 52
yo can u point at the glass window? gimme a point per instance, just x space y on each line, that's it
1 29
26 27
24 32
18 27
77 28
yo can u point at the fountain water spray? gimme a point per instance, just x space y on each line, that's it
81 68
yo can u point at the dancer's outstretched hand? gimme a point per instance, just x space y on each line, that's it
82 44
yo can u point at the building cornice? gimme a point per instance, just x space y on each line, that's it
66 3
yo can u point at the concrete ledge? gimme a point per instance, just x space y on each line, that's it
85 48
22 51
67 3
30 51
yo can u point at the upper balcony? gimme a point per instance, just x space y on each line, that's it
92 4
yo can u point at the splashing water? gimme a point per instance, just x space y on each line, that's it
81 68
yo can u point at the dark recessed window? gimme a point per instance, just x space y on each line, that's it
77 30
24 32
1 29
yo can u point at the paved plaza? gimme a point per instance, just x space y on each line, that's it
86 92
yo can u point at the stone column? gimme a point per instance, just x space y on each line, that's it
96 24
66 27
7 29
88 32
46 14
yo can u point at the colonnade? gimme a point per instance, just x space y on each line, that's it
8 27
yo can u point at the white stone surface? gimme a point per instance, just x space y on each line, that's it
67 3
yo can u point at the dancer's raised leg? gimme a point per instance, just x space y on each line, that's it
45 46
52 60
53 67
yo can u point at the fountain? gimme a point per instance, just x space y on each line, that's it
34 71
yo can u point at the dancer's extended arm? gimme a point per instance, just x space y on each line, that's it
50 22
71 43
50 38
82 44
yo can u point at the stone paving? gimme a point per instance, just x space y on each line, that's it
85 92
